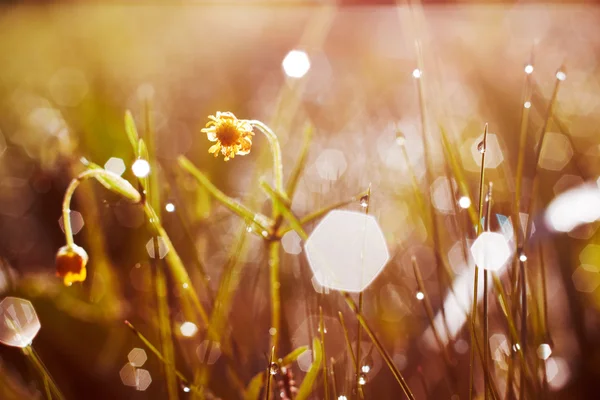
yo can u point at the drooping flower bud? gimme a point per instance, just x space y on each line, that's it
70 264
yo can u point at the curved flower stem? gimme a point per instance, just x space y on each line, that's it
275 149
109 180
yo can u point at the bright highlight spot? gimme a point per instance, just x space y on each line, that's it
296 64
188 329
417 73
528 69
346 251
527 104
420 296
464 202
365 369
170 207
561 76
490 251
141 168
523 258
573 208
544 351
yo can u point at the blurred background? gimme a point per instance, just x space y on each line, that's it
68 72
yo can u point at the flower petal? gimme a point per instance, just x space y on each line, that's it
215 148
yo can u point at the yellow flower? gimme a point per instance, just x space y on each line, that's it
232 136
70 264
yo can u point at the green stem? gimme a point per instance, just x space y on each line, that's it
319 213
238 208
476 275
109 180
382 351
166 336
347 337
275 149
175 263
38 364
162 359
273 247
325 371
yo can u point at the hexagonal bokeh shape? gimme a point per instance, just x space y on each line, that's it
214 352
586 278
291 243
331 164
162 247
566 182
127 374
441 195
590 254
346 251
20 323
137 357
490 251
142 379
556 151
456 257
115 165
76 222
493 153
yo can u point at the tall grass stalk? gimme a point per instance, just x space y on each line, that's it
325 369
50 387
483 145
486 336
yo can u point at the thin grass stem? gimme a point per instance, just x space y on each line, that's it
185 381
50 385
325 369
483 145
347 337
273 249
382 351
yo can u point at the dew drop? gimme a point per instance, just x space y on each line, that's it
400 139
481 147
362 378
274 368
364 201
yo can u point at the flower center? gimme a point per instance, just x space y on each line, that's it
227 133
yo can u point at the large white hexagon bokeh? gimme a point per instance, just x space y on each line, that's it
346 251
491 251
20 323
